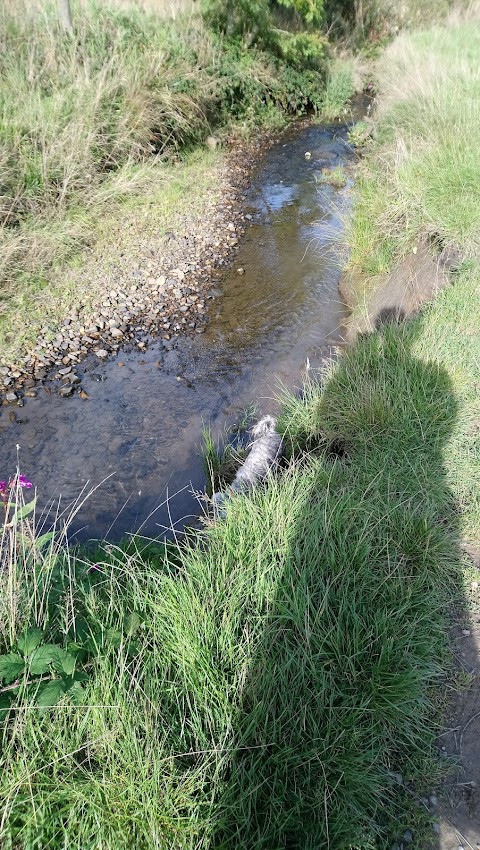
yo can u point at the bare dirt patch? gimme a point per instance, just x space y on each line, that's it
415 280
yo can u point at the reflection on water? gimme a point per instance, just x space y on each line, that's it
141 425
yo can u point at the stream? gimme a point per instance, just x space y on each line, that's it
137 438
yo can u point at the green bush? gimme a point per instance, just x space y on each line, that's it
286 28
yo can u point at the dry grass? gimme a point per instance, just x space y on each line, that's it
162 8
81 117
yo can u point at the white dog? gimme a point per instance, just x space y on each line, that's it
266 448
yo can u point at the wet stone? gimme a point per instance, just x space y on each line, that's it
65 391
10 397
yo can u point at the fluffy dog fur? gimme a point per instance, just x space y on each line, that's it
266 448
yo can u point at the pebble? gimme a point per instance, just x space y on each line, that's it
101 353
11 397
116 332
433 800
408 836
65 391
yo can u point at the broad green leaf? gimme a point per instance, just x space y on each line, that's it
114 637
79 676
25 509
11 666
44 657
43 539
6 701
50 693
133 648
77 650
29 641
132 623
67 663
76 693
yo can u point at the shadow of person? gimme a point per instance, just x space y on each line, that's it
332 734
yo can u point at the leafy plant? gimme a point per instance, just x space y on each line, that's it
42 672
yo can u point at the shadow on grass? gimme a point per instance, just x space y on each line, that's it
290 660
334 732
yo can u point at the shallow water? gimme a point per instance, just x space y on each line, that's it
141 425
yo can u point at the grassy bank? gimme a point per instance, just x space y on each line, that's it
419 184
421 181
271 683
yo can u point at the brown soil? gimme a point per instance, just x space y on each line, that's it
416 279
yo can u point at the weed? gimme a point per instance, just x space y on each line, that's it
335 177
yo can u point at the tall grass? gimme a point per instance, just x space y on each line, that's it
422 182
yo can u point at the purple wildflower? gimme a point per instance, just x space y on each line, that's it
3 488
24 482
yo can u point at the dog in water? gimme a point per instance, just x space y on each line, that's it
266 448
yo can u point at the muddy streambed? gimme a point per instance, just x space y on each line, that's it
141 426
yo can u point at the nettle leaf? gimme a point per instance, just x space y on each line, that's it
29 641
77 650
11 666
132 623
114 637
67 663
133 648
44 657
50 693
79 676
76 693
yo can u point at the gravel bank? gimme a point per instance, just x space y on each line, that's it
145 282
